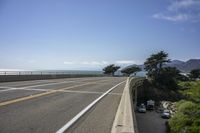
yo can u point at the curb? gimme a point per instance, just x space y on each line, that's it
124 121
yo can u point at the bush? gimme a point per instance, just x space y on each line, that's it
178 122
193 129
193 94
187 118
189 108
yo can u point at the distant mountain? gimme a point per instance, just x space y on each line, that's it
176 62
186 66
181 65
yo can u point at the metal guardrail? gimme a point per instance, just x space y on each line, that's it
50 73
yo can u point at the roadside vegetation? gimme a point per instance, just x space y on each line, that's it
165 83
194 74
161 83
187 118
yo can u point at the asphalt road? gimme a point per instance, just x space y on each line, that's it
150 122
45 106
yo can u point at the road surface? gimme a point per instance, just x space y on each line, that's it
150 122
45 106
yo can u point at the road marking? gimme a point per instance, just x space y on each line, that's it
85 110
88 92
68 91
8 89
25 98
39 95
32 86
5 87
32 89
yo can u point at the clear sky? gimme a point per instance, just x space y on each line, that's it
89 34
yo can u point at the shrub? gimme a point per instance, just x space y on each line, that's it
187 119
178 122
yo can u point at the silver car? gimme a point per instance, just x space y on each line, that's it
142 108
165 114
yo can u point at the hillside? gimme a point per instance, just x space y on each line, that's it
181 65
186 66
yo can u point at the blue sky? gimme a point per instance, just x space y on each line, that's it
89 34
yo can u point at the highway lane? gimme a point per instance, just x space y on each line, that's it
48 113
40 82
100 118
12 90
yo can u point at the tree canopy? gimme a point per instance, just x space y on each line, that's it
155 62
195 74
111 69
164 77
167 78
130 70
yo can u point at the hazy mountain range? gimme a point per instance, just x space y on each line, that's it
186 66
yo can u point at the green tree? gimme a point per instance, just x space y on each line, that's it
111 69
194 74
155 62
130 70
168 77
161 76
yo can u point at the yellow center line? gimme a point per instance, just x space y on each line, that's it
40 94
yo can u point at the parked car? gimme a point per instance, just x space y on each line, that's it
150 105
142 108
165 114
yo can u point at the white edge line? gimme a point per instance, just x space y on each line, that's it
80 114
